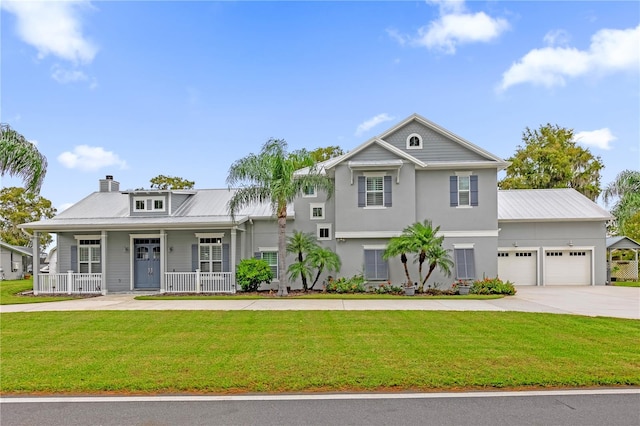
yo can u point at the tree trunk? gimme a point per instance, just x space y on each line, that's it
403 259
431 268
282 250
317 277
302 275
421 259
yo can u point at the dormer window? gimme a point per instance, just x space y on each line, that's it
148 204
414 141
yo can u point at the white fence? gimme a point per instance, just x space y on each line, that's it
69 283
200 282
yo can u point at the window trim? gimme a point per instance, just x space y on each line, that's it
464 248
263 250
83 243
320 226
211 261
153 200
414 135
380 250
313 194
313 206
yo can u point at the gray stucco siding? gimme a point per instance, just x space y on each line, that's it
432 201
435 146
351 218
559 235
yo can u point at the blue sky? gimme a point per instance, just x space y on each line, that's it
138 89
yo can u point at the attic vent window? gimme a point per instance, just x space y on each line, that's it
414 141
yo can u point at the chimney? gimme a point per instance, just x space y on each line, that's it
109 185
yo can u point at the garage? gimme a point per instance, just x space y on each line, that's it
519 267
567 267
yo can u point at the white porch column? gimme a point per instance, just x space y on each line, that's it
232 260
35 263
104 261
163 259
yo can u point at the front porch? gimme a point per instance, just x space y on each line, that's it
174 282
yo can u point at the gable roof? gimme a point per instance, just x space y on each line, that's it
544 205
25 251
622 242
491 159
110 210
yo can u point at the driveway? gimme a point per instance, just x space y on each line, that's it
621 302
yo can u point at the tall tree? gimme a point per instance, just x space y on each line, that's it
625 190
171 182
551 158
269 176
19 157
300 244
18 206
326 153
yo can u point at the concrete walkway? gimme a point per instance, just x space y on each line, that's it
621 302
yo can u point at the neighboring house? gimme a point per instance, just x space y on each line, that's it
185 240
14 261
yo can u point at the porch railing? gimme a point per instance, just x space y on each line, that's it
69 283
200 282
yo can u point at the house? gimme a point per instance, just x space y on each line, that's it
115 241
14 261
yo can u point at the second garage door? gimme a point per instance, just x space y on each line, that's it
519 267
567 267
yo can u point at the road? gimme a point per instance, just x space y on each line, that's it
598 407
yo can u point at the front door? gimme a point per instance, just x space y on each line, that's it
147 263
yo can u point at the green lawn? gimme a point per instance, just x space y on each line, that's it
309 351
9 290
627 283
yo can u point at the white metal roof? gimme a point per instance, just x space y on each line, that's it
110 210
535 205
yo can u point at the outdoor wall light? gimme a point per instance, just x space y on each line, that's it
171 249
515 244
126 249
570 243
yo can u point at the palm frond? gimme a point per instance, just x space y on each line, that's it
19 157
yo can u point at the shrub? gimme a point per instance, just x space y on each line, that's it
354 284
388 288
253 272
492 286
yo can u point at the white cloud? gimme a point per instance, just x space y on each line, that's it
455 26
53 28
557 38
90 158
610 51
600 138
372 122
64 76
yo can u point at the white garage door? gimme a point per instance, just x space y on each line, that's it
567 267
519 267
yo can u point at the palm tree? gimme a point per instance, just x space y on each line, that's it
400 246
300 244
270 177
323 258
20 157
626 189
423 238
437 257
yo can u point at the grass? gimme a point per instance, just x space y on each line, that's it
311 351
627 283
240 296
9 290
